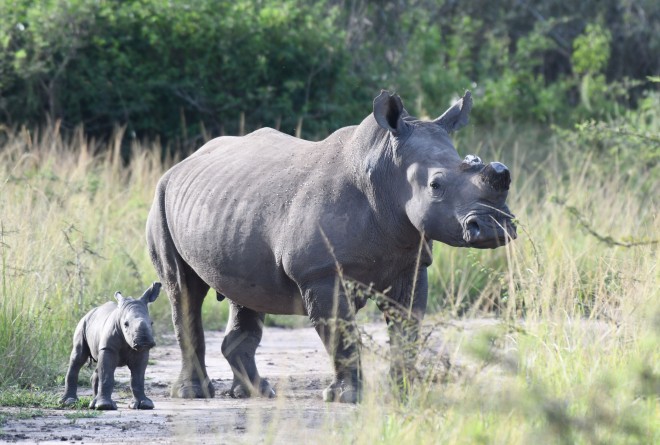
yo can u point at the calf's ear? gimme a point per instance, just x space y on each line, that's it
389 112
151 294
458 115
120 299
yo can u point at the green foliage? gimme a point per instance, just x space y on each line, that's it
28 398
591 50
174 69
186 71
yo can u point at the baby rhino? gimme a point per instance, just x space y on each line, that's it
114 334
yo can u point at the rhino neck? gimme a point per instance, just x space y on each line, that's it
380 175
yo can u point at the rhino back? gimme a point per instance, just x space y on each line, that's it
99 328
254 216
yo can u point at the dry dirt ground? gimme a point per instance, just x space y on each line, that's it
293 360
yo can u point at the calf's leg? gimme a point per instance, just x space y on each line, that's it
138 366
79 355
103 381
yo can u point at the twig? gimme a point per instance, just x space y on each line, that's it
607 239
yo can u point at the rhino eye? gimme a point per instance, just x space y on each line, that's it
126 323
434 185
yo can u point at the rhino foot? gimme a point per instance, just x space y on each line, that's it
145 403
102 404
192 390
68 401
342 393
242 391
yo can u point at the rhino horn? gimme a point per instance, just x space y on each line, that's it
496 175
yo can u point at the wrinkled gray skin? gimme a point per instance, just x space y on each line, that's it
114 334
266 219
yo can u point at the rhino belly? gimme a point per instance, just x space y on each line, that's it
249 282
227 210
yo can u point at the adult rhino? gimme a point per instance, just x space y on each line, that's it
272 222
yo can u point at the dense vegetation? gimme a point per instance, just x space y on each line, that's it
184 70
565 95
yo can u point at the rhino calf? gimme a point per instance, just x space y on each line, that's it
114 334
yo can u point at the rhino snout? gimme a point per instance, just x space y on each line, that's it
485 232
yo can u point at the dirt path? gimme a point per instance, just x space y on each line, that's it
294 361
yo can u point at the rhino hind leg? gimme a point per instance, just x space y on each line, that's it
186 298
79 356
333 317
186 292
242 336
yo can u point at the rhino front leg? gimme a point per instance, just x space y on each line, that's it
138 367
103 381
79 356
242 336
333 317
404 317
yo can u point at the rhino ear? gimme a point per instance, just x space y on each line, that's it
457 116
389 112
151 294
120 299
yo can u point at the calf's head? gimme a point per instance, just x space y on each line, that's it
134 318
460 202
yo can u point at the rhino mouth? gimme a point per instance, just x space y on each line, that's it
144 346
488 231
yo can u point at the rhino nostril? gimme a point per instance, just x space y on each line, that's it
473 229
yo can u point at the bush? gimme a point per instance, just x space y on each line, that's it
186 71
172 69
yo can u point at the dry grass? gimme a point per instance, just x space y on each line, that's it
573 358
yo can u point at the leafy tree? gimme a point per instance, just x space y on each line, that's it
185 70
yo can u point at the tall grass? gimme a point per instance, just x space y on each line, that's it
71 233
575 357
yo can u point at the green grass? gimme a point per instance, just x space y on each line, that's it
32 402
574 359
28 398
21 414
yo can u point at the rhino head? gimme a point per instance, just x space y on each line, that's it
134 318
460 202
